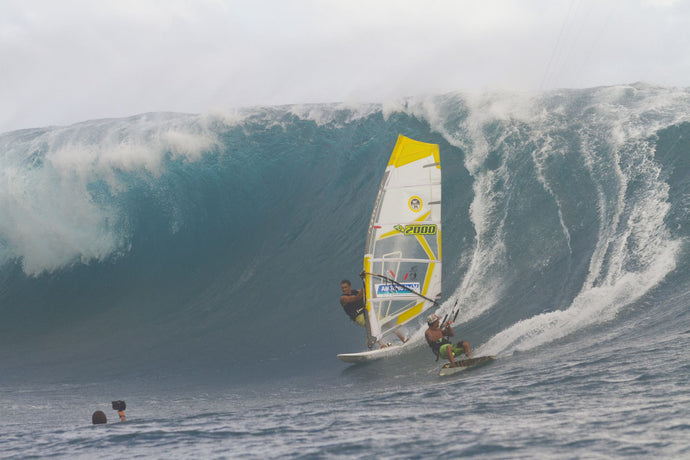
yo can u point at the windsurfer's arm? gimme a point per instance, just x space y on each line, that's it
349 298
447 330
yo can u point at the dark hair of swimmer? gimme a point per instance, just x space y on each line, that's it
98 418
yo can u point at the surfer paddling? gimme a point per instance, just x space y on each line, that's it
438 337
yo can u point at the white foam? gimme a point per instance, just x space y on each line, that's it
634 250
332 114
50 218
595 305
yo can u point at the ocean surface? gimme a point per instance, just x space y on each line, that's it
190 264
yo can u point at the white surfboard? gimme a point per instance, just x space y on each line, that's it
372 355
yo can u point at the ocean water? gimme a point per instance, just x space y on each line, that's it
191 265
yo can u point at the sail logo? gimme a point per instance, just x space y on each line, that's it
389 290
417 229
415 203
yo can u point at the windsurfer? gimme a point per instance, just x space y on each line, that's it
352 302
438 337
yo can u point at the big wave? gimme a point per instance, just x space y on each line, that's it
205 242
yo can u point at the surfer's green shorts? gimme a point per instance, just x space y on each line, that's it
443 351
359 319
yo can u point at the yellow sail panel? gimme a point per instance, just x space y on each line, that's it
423 217
407 150
372 325
425 246
367 285
427 279
409 314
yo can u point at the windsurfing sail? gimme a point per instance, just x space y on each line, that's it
402 261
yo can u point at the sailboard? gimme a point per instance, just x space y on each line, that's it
464 364
402 256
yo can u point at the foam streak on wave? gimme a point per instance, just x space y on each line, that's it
593 306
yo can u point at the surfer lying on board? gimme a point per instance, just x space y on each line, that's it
438 338
352 301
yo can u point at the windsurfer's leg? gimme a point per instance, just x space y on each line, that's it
359 319
449 352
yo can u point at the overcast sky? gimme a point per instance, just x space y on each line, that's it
72 60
